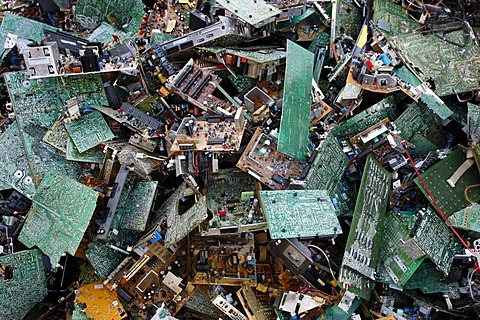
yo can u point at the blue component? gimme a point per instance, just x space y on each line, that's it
252 262
386 60
156 237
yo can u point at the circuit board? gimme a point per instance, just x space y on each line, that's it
232 199
60 214
421 145
262 161
450 199
349 19
228 261
436 239
89 131
126 16
93 155
144 281
392 18
179 224
474 122
38 104
326 173
429 279
14 170
357 271
300 214
253 308
134 205
384 109
200 303
57 136
23 27
293 133
100 302
103 258
418 119
455 69
399 255
23 283
467 218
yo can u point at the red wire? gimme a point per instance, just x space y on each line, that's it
436 204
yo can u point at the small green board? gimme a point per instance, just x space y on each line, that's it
399 255
93 155
450 199
467 218
103 258
367 118
28 284
474 122
60 214
418 119
300 214
134 205
392 19
14 169
360 259
89 131
429 280
295 121
326 173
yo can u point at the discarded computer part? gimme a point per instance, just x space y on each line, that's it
467 218
139 141
357 272
105 223
300 214
325 172
228 309
433 236
215 134
418 119
61 211
14 167
23 284
184 210
134 205
92 155
253 308
99 301
200 303
232 197
297 258
386 108
194 85
447 180
473 122
298 303
429 279
103 258
41 61
152 278
38 104
293 133
262 161
57 136
228 261
134 119
392 19
124 16
21 27
421 52
399 255
89 131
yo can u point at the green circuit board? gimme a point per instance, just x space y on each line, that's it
359 262
300 214
14 169
450 199
399 255
103 258
23 283
89 131
60 214
293 133
418 119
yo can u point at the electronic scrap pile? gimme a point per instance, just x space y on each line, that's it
240 159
